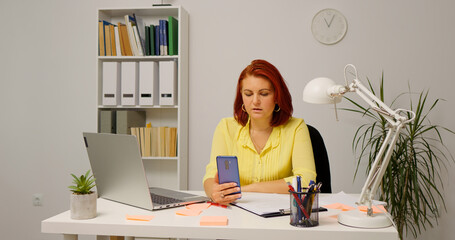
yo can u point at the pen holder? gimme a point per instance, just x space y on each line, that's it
301 206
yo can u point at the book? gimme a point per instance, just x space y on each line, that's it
112 35
157 40
118 48
142 134
173 35
147 41
161 37
147 141
131 36
152 40
107 40
101 47
140 32
140 51
165 37
124 39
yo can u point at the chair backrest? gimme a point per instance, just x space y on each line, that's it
321 160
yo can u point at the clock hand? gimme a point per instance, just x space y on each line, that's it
328 25
331 20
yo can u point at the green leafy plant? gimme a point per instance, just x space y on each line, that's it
82 184
412 183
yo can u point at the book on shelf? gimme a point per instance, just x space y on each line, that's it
112 38
147 41
157 40
138 41
131 36
152 40
124 40
118 49
173 35
140 33
107 40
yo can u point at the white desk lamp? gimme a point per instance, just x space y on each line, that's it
325 91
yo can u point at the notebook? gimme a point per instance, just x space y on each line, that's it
117 166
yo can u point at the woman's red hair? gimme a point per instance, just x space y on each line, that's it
265 70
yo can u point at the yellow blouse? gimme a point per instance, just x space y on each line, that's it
287 153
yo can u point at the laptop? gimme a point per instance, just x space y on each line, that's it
117 166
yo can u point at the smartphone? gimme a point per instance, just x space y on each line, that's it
228 170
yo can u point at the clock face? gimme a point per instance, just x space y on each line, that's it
329 26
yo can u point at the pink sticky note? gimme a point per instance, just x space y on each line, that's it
376 209
188 212
139 217
342 207
199 206
214 221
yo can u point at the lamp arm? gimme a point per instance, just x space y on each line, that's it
379 167
396 123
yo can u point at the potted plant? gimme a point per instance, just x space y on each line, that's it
412 182
83 199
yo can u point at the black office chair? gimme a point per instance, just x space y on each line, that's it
321 160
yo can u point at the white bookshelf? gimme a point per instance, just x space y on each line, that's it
169 172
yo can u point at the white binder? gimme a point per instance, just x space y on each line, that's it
130 82
148 83
111 83
168 82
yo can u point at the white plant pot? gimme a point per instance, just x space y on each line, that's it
83 206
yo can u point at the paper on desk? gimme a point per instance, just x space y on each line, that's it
200 206
139 217
263 203
188 212
214 220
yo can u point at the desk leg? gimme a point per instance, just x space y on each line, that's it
69 237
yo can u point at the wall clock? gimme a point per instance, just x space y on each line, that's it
329 26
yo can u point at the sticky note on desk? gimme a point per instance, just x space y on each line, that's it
188 212
139 217
376 209
342 207
199 206
214 221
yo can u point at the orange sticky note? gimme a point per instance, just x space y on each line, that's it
342 207
139 217
188 212
214 221
198 206
376 209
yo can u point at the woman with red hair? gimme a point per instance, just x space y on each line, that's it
272 147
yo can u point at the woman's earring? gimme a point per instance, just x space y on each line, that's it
277 110
243 108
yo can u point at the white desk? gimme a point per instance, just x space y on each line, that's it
166 224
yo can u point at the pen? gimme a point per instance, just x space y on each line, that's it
299 189
299 203
218 205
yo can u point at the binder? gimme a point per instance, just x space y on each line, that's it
148 83
129 83
111 83
126 120
168 82
107 121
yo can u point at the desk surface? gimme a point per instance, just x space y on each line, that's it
242 225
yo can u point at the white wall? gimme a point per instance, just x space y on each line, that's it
48 86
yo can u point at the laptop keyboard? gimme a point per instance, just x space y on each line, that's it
162 200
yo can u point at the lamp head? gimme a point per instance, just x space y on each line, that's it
322 91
